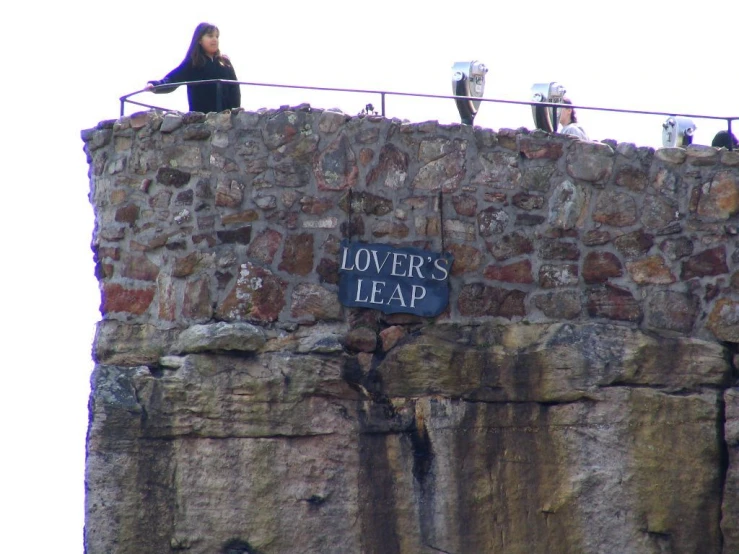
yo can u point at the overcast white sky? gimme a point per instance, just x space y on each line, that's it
69 62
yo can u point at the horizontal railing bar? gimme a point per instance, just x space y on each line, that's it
146 105
126 97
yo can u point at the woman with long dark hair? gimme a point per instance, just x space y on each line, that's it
568 121
203 62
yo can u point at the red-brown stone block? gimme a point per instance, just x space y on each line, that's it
634 245
611 302
197 301
166 298
391 336
539 148
394 229
598 267
127 214
558 250
229 194
477 300
264 246
297 254
328 271
117 298
247 216
724 320
615 208
360 339
314 303
496 197
139 267
391 170
632 178
510 246
517 272
705 264
465 205
650 271
466 258
315 206
719 198
257 295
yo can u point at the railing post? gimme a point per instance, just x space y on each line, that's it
123 105
731 137
219 98
382 104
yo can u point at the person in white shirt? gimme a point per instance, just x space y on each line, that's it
568 122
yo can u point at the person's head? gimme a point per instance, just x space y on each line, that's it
567 115
204 43
724 140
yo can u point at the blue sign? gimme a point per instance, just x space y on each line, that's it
394 280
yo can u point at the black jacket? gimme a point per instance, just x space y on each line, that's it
204 98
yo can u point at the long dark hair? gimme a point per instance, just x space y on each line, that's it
195 54
573 117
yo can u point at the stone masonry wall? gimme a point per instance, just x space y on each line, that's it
237 217
577 395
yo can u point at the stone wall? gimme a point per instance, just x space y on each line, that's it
575 396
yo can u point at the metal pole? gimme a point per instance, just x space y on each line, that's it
382 102
123 107
731 137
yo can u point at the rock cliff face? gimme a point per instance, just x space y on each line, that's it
577 394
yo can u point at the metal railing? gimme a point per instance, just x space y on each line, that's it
383 94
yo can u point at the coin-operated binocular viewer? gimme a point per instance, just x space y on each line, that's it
468 79
678 131
546 118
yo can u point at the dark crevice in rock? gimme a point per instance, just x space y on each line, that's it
368 385
315 500
351 372
423 455
144 414
238 546
435 549
657 535
156 371
664 389
723 462
545 403
278 436
378 503
232 354
731 349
